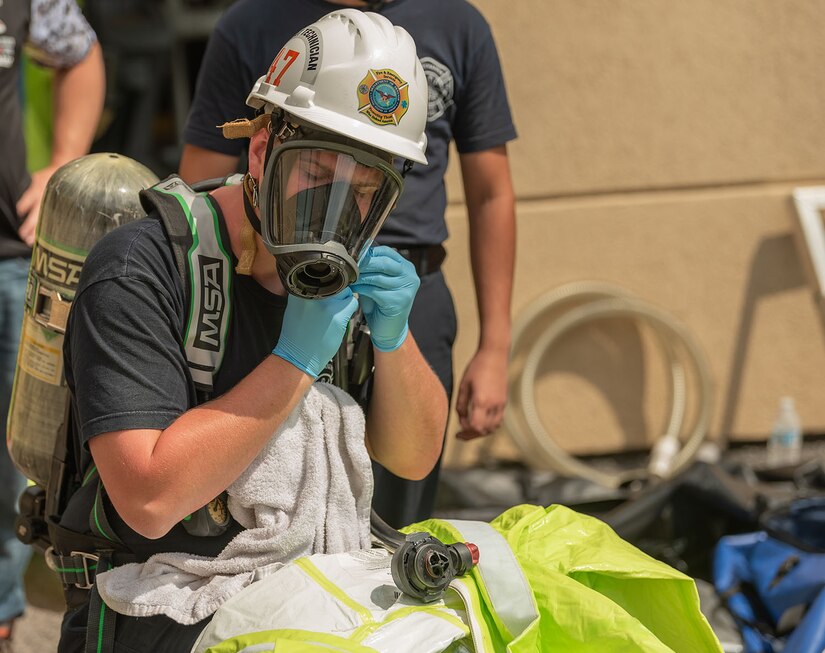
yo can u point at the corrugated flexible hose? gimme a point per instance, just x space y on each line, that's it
580 303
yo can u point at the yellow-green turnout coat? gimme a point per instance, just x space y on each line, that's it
549 579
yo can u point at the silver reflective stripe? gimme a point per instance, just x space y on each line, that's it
209 267
209 278
481 643
508 590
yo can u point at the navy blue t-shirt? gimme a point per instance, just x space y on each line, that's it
467 98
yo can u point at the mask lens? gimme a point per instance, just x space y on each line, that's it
323 204
328 196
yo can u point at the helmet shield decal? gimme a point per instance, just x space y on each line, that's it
383 97
322 205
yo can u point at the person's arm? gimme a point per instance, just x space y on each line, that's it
198 163
407 412
78 93
408 407
488 188
220 96
155 478
158 458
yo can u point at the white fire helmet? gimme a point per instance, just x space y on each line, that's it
356 74
354 98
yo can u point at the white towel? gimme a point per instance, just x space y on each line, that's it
308 491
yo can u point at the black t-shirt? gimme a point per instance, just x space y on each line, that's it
57 35
14 178
467 98
125 357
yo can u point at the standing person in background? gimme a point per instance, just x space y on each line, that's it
467 104
55 35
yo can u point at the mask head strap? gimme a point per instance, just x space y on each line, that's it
250 201
250 196
249 245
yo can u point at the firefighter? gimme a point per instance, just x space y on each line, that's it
340 103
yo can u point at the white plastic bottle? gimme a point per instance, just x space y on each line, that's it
785 442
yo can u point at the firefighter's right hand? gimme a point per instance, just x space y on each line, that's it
313 330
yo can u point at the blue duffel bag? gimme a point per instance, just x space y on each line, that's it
773 580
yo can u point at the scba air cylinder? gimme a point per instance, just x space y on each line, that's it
84 199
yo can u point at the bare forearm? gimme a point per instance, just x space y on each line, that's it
491 211
407 414
78 103
492 251
173 472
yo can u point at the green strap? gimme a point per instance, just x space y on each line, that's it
100 627
90 475
98 522
206 269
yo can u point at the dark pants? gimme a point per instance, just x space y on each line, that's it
14 555
433 324
132 634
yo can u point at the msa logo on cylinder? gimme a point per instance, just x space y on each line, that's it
210 319
58 269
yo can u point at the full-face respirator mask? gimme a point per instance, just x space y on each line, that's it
347 96
322 202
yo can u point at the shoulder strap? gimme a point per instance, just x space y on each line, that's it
205 267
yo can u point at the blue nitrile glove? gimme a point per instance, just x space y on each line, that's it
313 330
386 287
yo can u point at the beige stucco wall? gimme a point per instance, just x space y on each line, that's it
660 142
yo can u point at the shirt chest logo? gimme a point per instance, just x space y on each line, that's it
440 87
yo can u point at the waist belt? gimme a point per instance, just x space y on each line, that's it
75 556
79 568
427 259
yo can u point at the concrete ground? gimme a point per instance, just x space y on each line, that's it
38 631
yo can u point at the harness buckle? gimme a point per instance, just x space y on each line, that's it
86 558
80 561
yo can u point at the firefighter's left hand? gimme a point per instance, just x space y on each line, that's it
28 206
386 288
